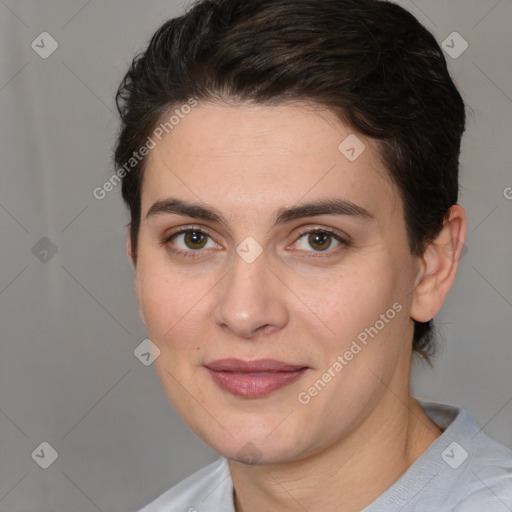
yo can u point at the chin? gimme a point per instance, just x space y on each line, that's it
259 454
255 443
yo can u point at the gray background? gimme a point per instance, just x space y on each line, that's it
69 325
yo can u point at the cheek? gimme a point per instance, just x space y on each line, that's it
162 302
368 316
172 313
355 299
175 306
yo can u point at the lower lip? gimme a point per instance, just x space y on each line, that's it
254 385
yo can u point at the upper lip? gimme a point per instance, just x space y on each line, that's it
254 366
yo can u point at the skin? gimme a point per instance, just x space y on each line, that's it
294 303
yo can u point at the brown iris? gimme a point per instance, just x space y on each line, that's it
319 241
195 239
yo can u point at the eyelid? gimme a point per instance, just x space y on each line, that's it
191 254
342 238
324 229
183 229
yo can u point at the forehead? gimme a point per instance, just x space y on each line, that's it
255 158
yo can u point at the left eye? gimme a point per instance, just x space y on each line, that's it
319 240
193 240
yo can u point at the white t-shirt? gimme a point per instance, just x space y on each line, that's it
462 471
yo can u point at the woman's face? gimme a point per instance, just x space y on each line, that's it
324 294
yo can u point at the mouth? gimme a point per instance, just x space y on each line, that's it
253 379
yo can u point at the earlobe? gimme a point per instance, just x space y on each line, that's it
438 266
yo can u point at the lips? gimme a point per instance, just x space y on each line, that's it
256 366
253 379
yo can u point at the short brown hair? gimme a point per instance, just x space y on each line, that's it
369 61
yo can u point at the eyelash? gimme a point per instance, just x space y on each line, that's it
196 253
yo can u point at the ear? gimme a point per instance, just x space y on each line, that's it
438 266
129 252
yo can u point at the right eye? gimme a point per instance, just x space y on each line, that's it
189 242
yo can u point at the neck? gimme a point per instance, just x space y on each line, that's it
347 476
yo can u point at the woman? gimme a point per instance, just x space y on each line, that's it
291 170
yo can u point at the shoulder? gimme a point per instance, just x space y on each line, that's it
210 488
487 479
463 470
478 468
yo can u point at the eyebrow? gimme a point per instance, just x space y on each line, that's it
335 206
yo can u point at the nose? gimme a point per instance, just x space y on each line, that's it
251 299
